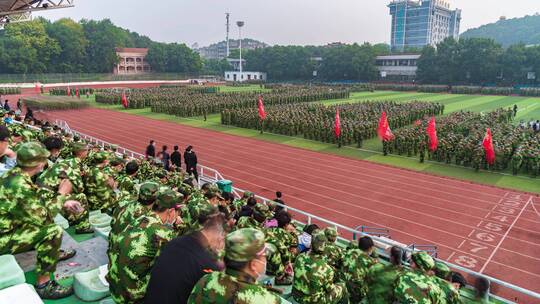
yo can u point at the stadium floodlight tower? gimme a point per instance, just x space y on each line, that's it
12 11
240 24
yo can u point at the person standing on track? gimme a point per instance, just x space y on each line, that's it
190 158
176 158
165 158
151 150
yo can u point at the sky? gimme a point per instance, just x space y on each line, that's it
283 22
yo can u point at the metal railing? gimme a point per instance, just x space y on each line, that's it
381 242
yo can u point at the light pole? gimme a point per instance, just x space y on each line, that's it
240 24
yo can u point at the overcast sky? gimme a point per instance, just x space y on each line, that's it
284 22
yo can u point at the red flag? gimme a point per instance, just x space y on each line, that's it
488 147
68 91
384 132
260 104
77 93
432 133
337 124
124 100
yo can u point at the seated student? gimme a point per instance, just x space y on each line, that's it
137 247
333 252
304 240
185 260
245 262
8 158
381 278
482 286
416 286
280 263
314 279
26 224
355 267
449 282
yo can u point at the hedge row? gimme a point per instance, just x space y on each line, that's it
73 91
54 103
10 91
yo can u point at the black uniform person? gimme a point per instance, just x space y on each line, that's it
6 106
190 158
515 110
151 150
19 105
176 158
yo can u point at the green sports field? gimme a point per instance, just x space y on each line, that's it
528 108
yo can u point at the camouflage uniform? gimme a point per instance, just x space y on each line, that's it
451 295
333 253
99 193
314 278
25 221
131 210
381 281
236 286
50 179
262 211
416 286
354 271
134 253
283 241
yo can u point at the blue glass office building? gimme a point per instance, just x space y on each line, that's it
417 23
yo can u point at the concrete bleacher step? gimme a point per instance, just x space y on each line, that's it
61 221
102 232
91 286
100 220
11 273
20 294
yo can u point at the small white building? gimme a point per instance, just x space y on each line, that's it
398 66
238 76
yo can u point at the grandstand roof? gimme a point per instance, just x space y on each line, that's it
12 7
15 5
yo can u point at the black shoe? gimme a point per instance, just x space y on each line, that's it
52 290
66 254
84 230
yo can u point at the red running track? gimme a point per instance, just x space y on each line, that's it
483 228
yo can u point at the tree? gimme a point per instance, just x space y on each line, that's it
73 44
479 59
428 69
349 62
173 58
448 56
514 64
216 66
27 48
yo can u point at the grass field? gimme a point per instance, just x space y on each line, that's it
529 108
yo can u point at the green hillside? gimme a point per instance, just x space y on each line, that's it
509 31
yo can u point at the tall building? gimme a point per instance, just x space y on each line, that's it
219 50
417 23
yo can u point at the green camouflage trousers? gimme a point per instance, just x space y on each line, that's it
81 220
46 240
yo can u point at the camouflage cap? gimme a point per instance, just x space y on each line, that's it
247 194
331 233
423 260
207 210
212 191
31 154
161 174
99 157
117 161
442 270
167 198
185 189
148 191
244 245
263 210
79 146
318 241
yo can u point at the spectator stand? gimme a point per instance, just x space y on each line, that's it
382 241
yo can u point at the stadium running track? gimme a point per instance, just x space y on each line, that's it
487 229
